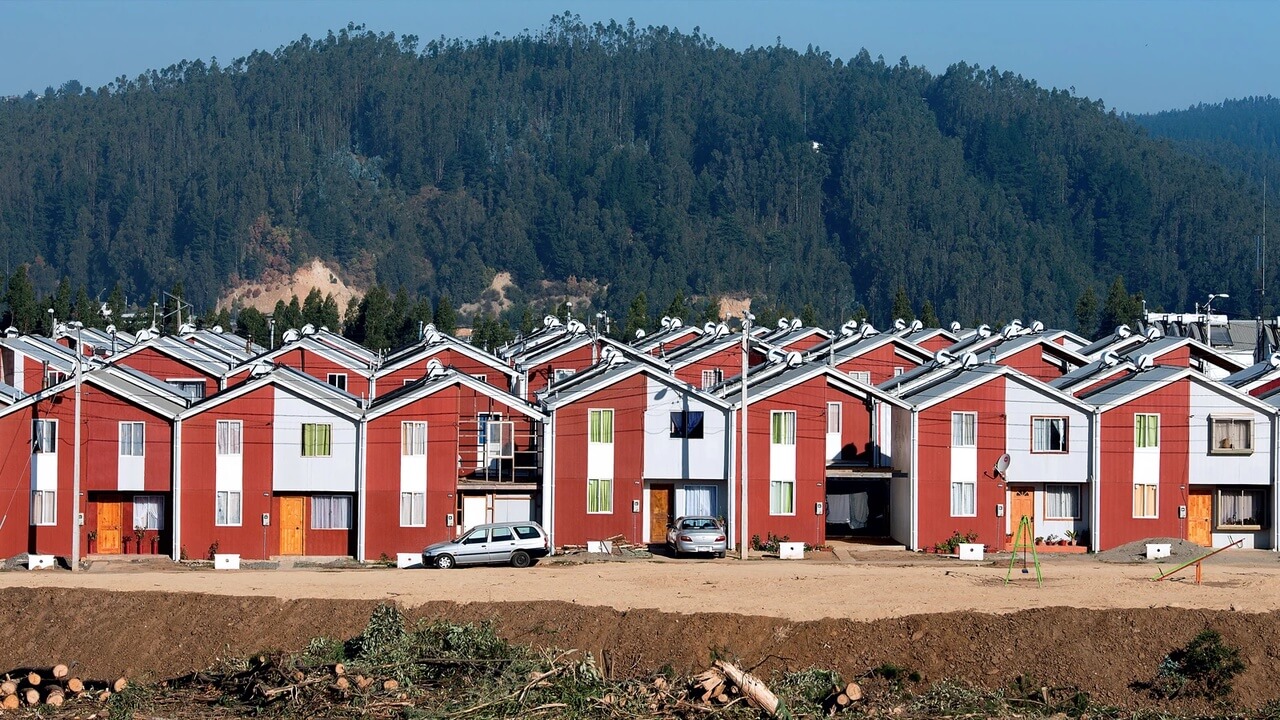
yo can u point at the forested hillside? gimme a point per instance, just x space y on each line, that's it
638 159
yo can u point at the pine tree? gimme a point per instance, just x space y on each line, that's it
808 316
637 317
446 318
85 309
20 297
1087 313
252 325
678 308
1120 308
313 308
928 317
902 306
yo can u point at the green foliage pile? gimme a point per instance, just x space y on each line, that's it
647 160
1204 668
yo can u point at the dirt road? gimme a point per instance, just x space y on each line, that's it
882 584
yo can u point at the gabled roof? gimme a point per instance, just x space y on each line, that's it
1094 371
1255 375
434 343
436 382
1020 343
297 383
782 337
958 379
674 331
1165 345
308 344
920 336
703 347
59 358
548 351
839 352
770 378
193 356
124 383
1121 342
354 349
1139 383
607 374
230 344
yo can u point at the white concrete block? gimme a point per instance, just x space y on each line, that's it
226 561
40 562
405 561
791 550
1156 551
970 551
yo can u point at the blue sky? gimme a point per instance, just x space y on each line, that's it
1136 55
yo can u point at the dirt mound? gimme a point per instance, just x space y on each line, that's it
152 635
1180 551
264 293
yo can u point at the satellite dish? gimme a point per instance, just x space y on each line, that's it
847 329
1123 331
431 337
1153 333
550 321
60 329
143 335
774 355
944 358
796 324
1110 359
111 329
915 326
899 324
11 331
639 333
1002 465
954 326
1037 327
867 331
613 358
794 359
1146 362
575 327
722 330
290 335
984 331
969 361
666 322
260 369
676 323
708 327
434 369
1274 360
186 329
216 329
104 311
1009 331
308 329
607 353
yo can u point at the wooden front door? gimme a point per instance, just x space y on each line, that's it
1022 501
662 504
1200 516
293 537
110 527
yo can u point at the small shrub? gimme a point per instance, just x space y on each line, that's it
1205 667
895 674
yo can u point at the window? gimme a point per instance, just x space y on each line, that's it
1049 435
964 498
192 389
148 512
687 425
782 497
407 383
834 419
964 429
482 378
44 507
862 376
1146 431
711 378
331 512
600 424
527 532
599 496
1241 508
229 434
1231 436
413 509
700 500
782 427
501 534
53 377
559 375
44 436
898 370
227 506
1145 497
131 438
317 440
338 380
476 537
413 438
1062 502
483 420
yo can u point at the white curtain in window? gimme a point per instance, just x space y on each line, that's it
700 500
330 512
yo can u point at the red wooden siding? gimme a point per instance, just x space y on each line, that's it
162 367
881 362
319 366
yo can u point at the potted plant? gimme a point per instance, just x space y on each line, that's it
155 542
1040 541
1072 537
1051 540
93 539
139 533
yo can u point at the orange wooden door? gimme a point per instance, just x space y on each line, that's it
661 504
110 527
1022 501
293 536
1200 516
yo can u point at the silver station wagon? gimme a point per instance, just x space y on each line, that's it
518 544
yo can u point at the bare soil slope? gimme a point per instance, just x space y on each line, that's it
154 635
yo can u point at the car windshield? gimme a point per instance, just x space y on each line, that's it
698 524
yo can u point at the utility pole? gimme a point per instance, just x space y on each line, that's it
747 317
75 461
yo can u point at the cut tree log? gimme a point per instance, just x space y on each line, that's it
390 685
854 691
8 687
33 678
32 696
75 685
842 700
10 702
119 685
59 671
54 697
756 692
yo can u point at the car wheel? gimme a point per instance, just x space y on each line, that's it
520 559
720 555
445 562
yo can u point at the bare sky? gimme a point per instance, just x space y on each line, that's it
1136 55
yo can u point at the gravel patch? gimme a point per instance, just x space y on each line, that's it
1180 551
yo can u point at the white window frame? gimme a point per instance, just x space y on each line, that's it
136 444
964 429
44 442
338 380
560 375
1060 487
1215 441
862 376
229 437
183 383
712 377
1037 435
962 506
601 499
786 434
46 513
592 413
303 449
413 509
777 498
413 438
1152 513
228 508
1141 442
139 500
323 518
835 411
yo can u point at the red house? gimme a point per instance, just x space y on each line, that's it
673 334
1183 456
443 454
870 357
31 364
409 365
715 356
192 370
319 360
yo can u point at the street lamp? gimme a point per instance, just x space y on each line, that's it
1212 297
747 317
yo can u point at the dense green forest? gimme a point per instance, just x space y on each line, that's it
642 160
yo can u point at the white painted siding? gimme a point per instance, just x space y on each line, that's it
1022 404
671 458
294 473
1206 469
